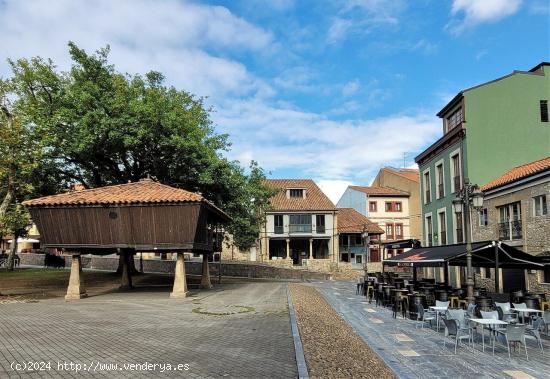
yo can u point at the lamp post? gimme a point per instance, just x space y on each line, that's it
366 241
468 196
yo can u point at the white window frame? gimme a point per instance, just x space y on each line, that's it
426 228
538 199
451 168
440 211
424 185
455 239
479 216
441 163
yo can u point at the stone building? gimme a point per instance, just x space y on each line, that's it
515 211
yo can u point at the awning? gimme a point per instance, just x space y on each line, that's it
402 244
483 255
25 240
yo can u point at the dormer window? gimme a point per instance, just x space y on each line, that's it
454 119
296 193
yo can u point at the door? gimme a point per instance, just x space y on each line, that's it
513 279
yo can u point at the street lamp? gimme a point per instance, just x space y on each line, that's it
468 196
366 241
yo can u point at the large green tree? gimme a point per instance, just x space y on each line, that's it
103 127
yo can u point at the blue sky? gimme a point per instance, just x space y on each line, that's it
331 90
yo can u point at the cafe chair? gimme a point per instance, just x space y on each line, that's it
424 316
452 328
515 334
534 330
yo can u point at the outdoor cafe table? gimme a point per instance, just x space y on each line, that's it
526 310
486 321
437 311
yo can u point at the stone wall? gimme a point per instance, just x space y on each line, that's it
249 270
535 283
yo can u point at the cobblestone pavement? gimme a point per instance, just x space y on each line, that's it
252 339
419 353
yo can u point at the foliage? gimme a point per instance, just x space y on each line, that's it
101 127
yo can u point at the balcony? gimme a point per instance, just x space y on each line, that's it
443 237
430 239
457 183
510 230
440 190
428 196
299 228
320 229
279 229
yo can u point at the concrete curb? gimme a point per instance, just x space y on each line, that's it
298 348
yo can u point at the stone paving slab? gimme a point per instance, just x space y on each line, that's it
252 340
419 353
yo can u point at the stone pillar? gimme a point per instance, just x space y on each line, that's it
180 283
287 248
311 248
126 282
76 289
205 279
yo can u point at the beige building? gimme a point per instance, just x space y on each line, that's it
301 226
406 180
387 207
516 212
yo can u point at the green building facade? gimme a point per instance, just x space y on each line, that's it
487 130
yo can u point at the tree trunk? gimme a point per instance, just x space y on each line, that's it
6 202
13 252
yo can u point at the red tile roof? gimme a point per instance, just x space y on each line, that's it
144 191
351 221
517 173
380 191
315 199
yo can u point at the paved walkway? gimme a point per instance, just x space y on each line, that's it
417 353
253 341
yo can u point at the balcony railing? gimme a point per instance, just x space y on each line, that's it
510 230
299 228
428 196
279 229
457 183
441 190
320 229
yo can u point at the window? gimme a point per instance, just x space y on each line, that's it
372 206
547 274
442 229
393 206
389 231
296 193
483 217
374 255
359 259
320 223
429 231
389 253
358 240
440 185
544 110
510 221
299 224
279 229
457 180
455 119
427 188
458 224
398 231
540 205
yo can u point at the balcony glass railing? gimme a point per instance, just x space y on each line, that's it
279 229
320 228
299 228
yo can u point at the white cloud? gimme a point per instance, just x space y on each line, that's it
479 11
181 39
319 147
351 87
333 188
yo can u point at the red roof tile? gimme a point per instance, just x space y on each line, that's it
380 191
144 191
518 172
315 199
351 221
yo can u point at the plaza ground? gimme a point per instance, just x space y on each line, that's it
239 329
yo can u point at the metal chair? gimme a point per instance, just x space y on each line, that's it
452 328
514 333
520 306
534 331
546 318
506 316
424 316
442 303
